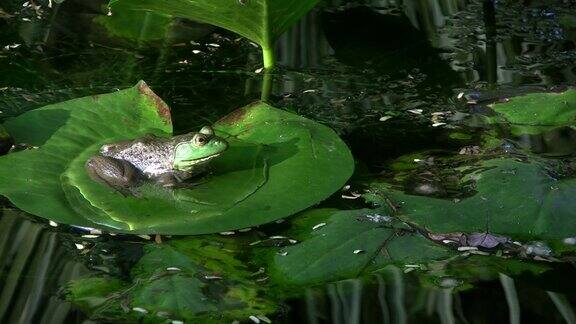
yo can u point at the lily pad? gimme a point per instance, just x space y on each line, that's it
537 112
345 244
195 280
261 21
272 154
523 200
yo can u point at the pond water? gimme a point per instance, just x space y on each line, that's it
407 84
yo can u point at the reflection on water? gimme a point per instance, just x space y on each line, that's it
34 266
385 74
389 298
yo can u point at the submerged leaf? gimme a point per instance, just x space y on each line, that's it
191 279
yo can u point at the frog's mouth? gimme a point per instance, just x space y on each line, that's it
188 164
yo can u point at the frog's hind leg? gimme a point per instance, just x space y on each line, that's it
118 174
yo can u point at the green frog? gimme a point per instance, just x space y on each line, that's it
166 161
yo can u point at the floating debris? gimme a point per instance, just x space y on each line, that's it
317 226
538 249
385 118
7 47
53 223
264 319
470 150
247 229
570 241
377 218
449 282
485 240
474 240
258 71
177 322
80 246
310 91
358 251
227 233
416 111
352 195
260 271
90 236
467 248
163 314
173 269
212 277
140 310
254 319
196 51
283 253
213 45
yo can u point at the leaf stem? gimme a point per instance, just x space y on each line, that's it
266 85
268 56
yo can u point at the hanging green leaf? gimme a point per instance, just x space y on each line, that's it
272 154
261 21
136 25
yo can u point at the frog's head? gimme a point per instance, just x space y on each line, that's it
197 149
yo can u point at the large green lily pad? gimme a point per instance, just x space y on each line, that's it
518 199
537 112
346 244
278 163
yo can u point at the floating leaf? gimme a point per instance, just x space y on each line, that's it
537 112
272 154
191 279
518 199
261 21
350 243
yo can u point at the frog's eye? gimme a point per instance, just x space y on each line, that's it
200 140
207 130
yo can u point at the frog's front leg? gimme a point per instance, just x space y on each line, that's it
118 174
176 180
167 180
